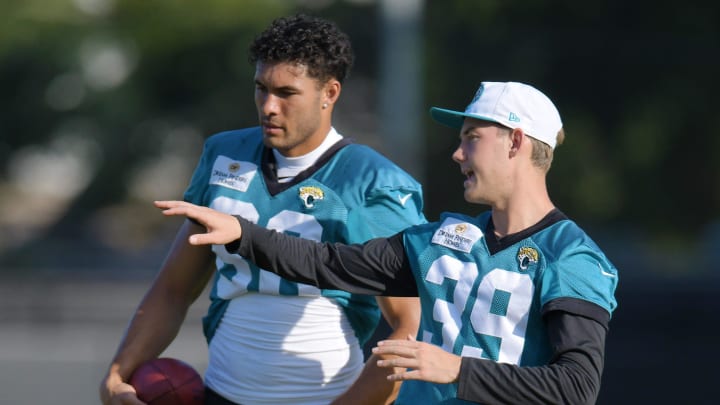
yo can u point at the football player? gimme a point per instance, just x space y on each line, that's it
516 301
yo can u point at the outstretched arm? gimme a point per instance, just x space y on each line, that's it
377 267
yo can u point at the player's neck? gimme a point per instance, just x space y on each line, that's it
521 212
289 167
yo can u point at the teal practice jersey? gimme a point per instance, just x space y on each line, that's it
351 194
489 305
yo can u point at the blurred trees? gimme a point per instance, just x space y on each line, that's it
634 83
105 104
102 93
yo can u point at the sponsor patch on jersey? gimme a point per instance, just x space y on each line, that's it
310 195
527 256
457 235
232 174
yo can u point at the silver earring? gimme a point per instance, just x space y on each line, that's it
325 105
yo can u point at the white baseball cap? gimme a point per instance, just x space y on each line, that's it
512 104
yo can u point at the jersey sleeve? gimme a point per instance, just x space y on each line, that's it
581 272
195 191
391 200
387 211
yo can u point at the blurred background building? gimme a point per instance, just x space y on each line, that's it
105 104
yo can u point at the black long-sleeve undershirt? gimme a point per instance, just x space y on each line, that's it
576 328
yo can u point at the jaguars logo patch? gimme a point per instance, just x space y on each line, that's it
527 256
310 195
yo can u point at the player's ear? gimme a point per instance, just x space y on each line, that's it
331 91
516 139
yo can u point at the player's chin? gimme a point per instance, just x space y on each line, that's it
472 197
273 141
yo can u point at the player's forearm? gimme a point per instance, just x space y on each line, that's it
148 334
373 386
389 388
485 381
371 268
160 314
572 378
153 327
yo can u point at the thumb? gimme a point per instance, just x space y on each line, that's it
200 239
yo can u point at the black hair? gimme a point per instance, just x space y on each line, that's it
311 41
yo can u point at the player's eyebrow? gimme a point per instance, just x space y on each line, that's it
282 89
467 131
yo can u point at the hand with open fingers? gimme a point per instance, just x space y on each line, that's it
424 361
221 228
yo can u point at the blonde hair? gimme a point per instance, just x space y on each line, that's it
542 153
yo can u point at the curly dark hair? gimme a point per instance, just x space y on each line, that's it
311 41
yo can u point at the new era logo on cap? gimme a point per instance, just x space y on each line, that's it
512 104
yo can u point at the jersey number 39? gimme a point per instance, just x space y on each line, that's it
499 314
